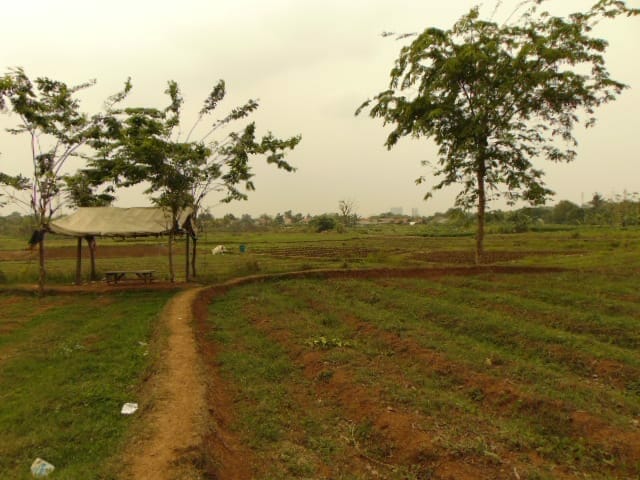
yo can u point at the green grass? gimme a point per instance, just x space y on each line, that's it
281 251
492 369
67 364
498 367
285 437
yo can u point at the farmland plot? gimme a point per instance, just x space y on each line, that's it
491 375
67 365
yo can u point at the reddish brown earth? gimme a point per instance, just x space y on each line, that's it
407 433
228 457
406 437
160 249
316 252
176 419
189 435
412 444
504 398
102 251
490 256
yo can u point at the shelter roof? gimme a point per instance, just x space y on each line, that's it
118 222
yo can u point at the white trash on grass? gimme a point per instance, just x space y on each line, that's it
129 408
41 468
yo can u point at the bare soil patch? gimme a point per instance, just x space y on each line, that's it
188 430
491 256
101 287
176 421
317 252
226 456
506 398
102 251
403 431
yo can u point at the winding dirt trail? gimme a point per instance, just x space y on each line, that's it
169 449
186 420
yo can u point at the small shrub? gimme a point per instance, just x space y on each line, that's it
634 387
331 321
373 299
251 266
477 395
323 223
325 375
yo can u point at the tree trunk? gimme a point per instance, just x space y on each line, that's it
172 276
193 257
482 204
91 242
186 258
79 262
42 277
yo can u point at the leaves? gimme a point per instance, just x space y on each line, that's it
495 98
80 190
17 182
144 145
211 102
499 96
49 114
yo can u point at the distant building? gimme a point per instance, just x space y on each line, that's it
396 210
415 213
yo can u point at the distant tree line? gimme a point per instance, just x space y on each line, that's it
621 211
246 223
16 225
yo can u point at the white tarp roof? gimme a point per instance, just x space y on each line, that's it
117 222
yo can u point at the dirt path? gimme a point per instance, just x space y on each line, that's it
169 449
185 421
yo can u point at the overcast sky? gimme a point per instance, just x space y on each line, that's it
311 63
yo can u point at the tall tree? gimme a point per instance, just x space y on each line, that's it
495 97
346 211
50 116
146 144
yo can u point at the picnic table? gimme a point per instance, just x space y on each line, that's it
115 276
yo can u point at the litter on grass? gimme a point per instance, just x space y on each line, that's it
129 408
41 468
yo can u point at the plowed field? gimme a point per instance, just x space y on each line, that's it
478 375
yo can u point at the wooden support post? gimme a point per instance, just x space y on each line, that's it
193 257
172 275
79 262
91 242
186 257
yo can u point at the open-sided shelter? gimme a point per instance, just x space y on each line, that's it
92 222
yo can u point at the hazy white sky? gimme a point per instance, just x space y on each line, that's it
311 63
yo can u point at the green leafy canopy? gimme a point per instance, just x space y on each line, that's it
496 97
49 114
146 144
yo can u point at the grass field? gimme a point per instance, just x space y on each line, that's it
67 365
487 376
397 246
529 374
520 373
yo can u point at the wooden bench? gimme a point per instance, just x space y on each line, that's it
116 275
